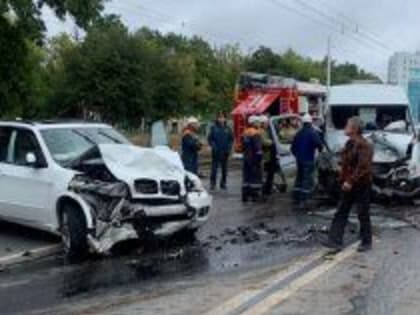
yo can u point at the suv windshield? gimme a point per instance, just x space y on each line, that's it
374 117
67 144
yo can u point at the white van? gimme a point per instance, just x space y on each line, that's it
385 112
384 109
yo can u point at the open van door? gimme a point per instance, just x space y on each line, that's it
283 128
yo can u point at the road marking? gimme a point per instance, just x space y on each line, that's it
234 303
280 296
30 255
278 288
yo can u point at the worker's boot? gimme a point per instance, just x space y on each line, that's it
364 247
255 194
245 194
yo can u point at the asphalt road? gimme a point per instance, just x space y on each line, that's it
15 239
241 248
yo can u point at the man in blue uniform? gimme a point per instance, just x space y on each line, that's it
304 146
220 140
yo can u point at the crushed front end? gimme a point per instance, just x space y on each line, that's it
149 202
396 172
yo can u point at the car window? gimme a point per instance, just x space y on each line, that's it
25 143
5 133
67 144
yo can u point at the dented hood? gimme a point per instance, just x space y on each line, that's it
128 162
388 146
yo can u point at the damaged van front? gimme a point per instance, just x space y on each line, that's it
389 127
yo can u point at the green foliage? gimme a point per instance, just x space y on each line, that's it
23 87
123 76
291 64
129 76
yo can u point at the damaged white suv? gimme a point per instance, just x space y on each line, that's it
89 184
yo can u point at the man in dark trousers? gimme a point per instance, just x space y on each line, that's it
252 162
220 140
191 145
356 181
304 146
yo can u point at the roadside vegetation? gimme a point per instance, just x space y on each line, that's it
126 76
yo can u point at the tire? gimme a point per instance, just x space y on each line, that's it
187 236
74 233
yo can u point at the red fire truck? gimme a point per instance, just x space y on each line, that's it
261 94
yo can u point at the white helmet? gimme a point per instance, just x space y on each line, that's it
263 119
307 118
192 120
253 120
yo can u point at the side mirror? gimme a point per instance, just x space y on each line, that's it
30 158
32 161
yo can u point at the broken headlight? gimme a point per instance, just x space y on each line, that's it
193 183
402 173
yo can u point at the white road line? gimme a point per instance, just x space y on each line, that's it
233 305
280 296
30 254
246 295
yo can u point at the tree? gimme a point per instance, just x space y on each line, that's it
291 64
21 26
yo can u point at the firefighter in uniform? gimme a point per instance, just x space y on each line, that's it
191 145
252 143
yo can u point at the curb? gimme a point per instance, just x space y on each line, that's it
29 255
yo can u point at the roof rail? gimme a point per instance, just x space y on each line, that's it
19 120
66 121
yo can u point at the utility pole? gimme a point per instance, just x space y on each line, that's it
329 64
329 60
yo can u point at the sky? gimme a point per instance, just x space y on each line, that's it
363 32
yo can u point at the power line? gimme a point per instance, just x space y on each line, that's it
194 27
352 21
328 25
356 31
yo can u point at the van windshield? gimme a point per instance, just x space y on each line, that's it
374 117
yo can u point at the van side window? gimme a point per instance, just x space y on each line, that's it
5 133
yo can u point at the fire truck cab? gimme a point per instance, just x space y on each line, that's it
262 94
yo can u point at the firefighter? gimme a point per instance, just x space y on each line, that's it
252 163
304 146
220 140
191 145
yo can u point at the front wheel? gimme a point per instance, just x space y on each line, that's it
187 236
74 233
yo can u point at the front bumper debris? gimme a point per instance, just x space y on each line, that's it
148 221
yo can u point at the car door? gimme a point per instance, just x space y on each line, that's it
283 141
27 185
5 141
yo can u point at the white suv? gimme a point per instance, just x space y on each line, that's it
89 184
